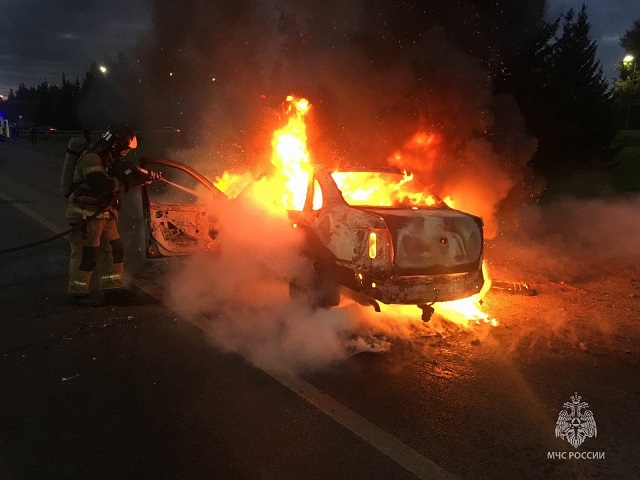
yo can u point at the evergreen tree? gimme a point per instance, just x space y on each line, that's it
44 113
66 104
564 96
630 41
581 95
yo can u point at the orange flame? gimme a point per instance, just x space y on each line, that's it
285 189
291 157
467 311
378 189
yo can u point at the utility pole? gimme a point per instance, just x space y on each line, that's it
172 117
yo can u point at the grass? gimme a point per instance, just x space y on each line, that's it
621 176
626 173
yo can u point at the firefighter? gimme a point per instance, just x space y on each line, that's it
99 177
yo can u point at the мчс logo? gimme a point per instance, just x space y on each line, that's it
575 425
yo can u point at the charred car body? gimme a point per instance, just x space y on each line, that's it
392 251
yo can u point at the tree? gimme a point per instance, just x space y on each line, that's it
630 41
583 97
566 100
45 103
65 105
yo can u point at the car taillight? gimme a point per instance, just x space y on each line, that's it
373 245
377 250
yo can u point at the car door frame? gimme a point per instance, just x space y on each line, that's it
152 244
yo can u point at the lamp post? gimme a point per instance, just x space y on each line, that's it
171 76
627 60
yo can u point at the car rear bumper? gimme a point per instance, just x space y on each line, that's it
424 288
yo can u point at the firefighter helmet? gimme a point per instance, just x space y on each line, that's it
118 139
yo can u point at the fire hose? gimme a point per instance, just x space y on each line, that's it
79 226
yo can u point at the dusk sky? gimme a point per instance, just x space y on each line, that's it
41 40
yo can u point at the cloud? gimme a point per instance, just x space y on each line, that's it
42 40
609 40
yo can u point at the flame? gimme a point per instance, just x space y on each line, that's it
384 190
286 187
231 184
467 311
290 156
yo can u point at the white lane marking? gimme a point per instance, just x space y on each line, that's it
27 211
386 443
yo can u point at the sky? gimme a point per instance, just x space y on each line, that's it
40 40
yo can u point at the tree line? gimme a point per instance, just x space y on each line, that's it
92 102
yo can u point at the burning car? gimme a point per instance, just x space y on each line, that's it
376 240
372 234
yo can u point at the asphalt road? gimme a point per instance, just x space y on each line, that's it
144 391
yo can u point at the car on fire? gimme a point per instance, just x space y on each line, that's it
394 251
388 251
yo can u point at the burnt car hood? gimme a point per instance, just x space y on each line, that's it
433 241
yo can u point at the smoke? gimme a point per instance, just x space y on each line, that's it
245 286
569 240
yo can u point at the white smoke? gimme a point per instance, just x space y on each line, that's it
244 291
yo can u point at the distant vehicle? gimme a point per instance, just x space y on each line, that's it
46 130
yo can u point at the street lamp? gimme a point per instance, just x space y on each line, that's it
627 60
103 69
